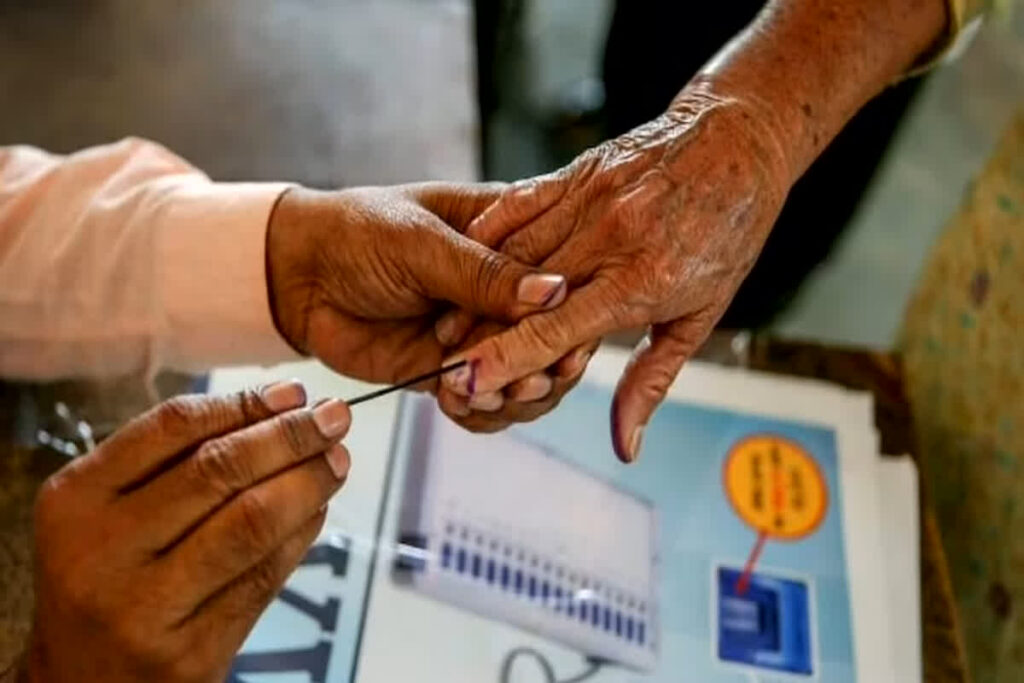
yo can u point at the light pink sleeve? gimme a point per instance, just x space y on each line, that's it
124 259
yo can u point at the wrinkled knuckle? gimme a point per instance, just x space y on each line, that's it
251 406
298 435
624 300
179 414
487 279
625 214
498 355
189 413
591 161
543 335
662 277
220 464
265 578
523 246
523 191
256 534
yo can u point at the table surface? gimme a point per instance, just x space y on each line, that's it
23 469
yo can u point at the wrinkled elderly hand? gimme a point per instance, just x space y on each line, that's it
658 227
156 553
359 277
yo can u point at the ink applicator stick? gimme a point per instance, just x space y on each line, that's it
407 383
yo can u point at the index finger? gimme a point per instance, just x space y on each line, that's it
224 467
521 203
541 339
156 439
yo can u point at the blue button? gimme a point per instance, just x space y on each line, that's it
629 628
768 625
446 555
607 619
583 611
504 576
460 561
618 623
595 614
490 571
519 581
641 632
477 562
532 590
545 591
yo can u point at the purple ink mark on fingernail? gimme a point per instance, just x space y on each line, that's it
553 294
471 383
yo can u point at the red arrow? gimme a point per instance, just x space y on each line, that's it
744 581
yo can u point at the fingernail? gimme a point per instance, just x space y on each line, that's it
338 460
461 380
284 395
573 366
471 384
580 360
634 443
444 329
331 417
488 402
542 289
533 388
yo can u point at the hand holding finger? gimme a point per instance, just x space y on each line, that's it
523 400
539 340
302 466
114 601
229 465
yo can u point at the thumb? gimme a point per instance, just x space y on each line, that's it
457 204
656 361
486 282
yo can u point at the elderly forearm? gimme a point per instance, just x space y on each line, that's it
807 66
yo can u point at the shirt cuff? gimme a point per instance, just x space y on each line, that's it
211 276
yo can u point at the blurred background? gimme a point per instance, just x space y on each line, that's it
341 92
334 93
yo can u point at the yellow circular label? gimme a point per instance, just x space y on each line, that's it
775 486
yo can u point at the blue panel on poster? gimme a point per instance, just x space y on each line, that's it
768 626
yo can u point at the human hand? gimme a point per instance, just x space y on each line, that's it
657 227
157 552
523 400
359 277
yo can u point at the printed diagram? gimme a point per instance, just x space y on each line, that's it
776 487
763 621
